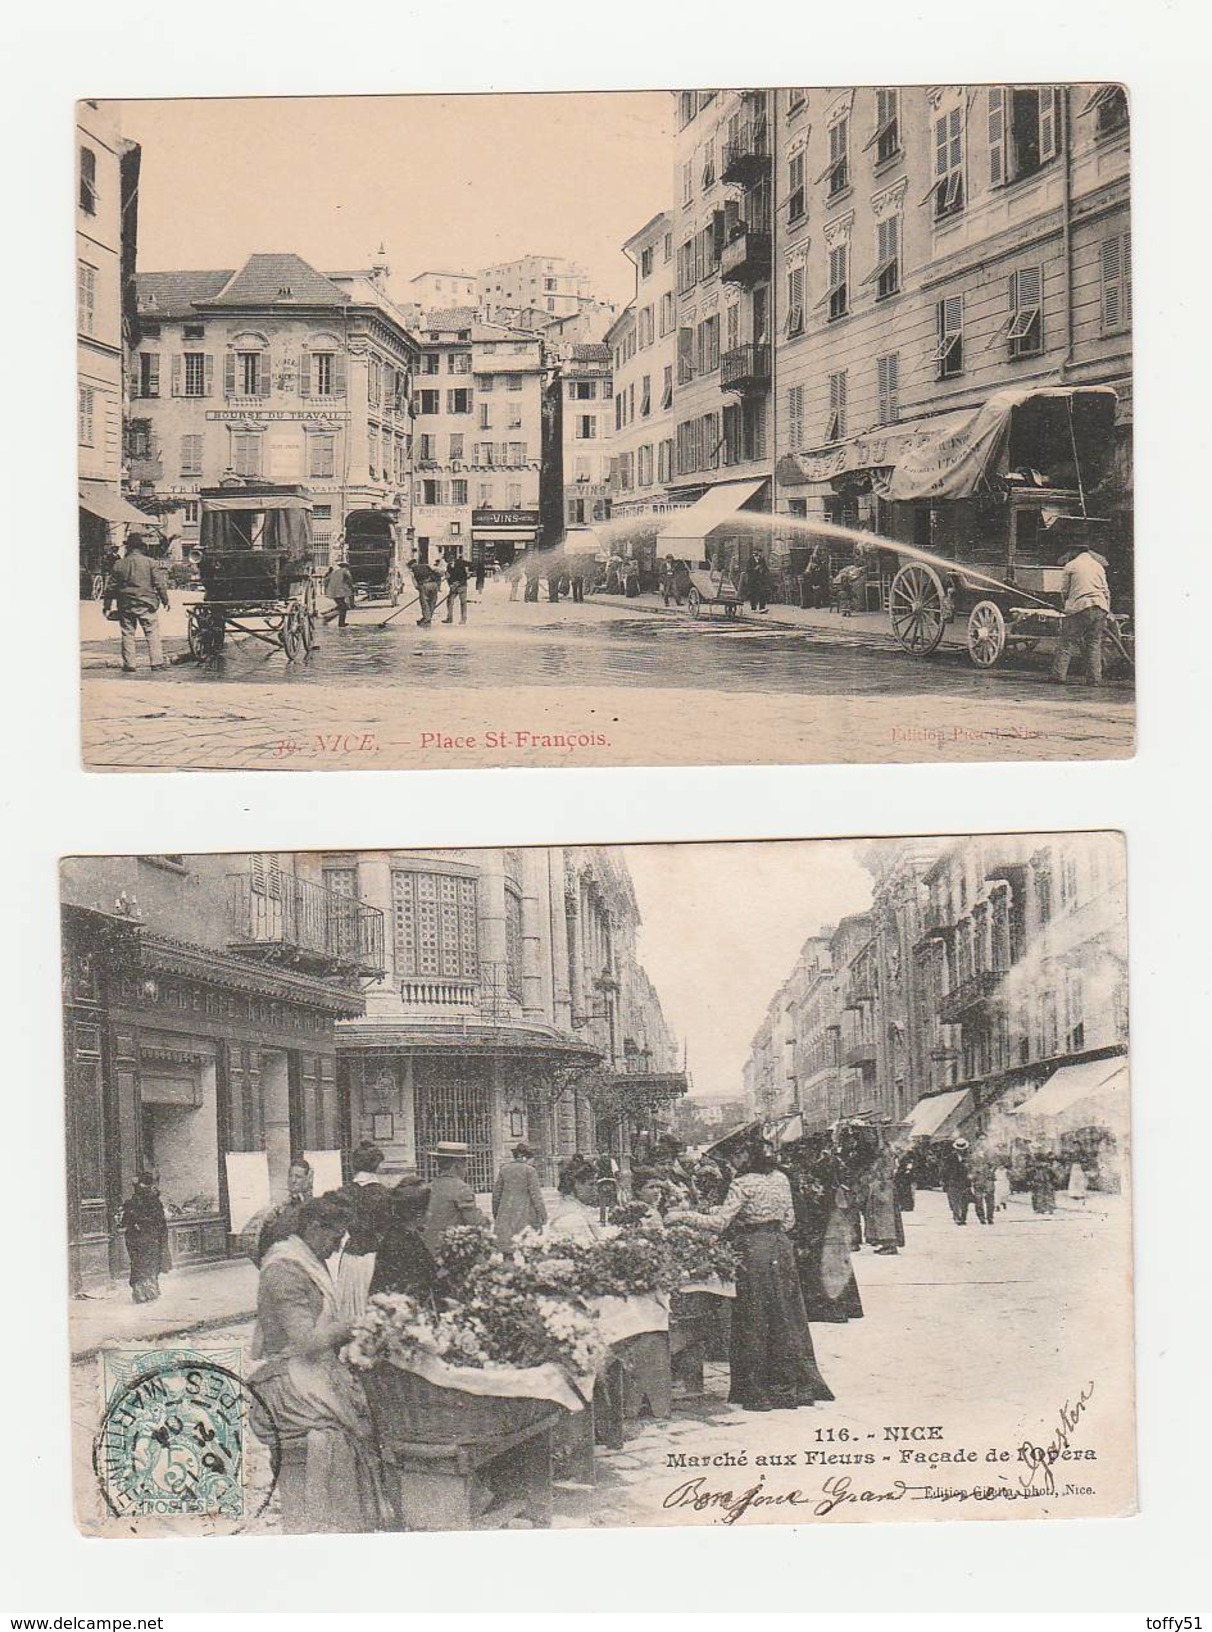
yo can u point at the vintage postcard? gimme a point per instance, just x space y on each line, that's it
693 427
613 1185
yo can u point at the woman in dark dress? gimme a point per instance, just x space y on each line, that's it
403 1262
1042 1178
822 1238
146 1230
772 1361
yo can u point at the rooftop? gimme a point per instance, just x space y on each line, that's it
172 294
265 280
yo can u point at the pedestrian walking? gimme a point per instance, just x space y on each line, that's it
822 1239
145 1228
884 1229
481 573
1001 1188
1087 605
339 587
517 1201
981 1171
815 584
137 587
957 1180
533 569
905 1182
1042 1179
757 577
456 588
452 1201
771 1360
427 582
576 578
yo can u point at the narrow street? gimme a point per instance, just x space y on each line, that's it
964 1334
656 685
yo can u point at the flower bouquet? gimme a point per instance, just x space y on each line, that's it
462 1248
699 1253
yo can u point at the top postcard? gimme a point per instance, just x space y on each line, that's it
761 426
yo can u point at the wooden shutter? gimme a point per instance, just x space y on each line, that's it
1126 275
153 374
264 375
229 374
1111 266
177 367
997 135
304 371
208 375
338 375
1049 123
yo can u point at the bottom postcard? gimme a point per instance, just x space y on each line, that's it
746 1183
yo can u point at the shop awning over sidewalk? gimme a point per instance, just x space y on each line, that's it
939 1115
1090 1093
700 519
101 500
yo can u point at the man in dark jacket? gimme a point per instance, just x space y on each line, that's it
517 1201
456 588
339 587
138 587
427 581
452 1201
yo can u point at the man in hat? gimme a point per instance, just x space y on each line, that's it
1087 605
517 1201
138 587
957 1180
451 1199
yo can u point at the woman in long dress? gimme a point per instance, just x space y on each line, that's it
822 1239
146 1230
306 1400
772 1361
1043 1184
368 1201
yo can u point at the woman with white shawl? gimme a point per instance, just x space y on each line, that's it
306 1400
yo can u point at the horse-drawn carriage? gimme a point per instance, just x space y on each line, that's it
1010 494
256 569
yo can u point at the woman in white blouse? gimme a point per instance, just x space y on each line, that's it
772 1361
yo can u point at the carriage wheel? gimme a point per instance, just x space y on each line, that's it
207 632
96 586
986 634
310 624
695 602
917 608
293 642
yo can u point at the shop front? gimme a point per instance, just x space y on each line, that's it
194 1063
500 536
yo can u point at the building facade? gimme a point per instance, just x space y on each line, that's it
478 419
644 346
935 245
209 1058
276 372
107 173
586 431
984 966
512 1007
436 291
533 289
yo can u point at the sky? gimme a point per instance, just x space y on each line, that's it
447 183
722 927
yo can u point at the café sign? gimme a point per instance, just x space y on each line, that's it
504 518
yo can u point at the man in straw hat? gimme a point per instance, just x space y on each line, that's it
451 1199
957 1180
138 587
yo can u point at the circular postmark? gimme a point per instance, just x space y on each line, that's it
174 1439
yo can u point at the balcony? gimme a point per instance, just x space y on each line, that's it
280 918
418 992
746 257
968 994
745 368
859 1054
747 156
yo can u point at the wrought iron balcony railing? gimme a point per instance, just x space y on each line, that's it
281 917
968 994
746 157
745 259
745 368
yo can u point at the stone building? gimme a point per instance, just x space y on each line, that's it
512 1005
277 372
107 174
201 996
586 429
534 289
643 341
478 420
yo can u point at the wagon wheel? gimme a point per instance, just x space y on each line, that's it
917 608
986 634
96 587
309 623
207 632
695 602
291 634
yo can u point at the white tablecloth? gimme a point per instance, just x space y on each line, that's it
549 1382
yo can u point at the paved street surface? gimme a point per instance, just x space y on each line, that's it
614 681
981 1335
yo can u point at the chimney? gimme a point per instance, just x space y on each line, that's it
380 271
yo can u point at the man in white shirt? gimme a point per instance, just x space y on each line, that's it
1087 604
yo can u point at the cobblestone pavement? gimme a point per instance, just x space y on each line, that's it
982 1333
615 682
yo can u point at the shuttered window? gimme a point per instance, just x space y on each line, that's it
1026 325
796 193
948 188
795 417
835 425
1115 268
191 455
888 380
950 354
434 925
795 301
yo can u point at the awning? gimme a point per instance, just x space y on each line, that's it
953 455
250 499
582 541
700 519
939 1115
101 500
1089 1093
